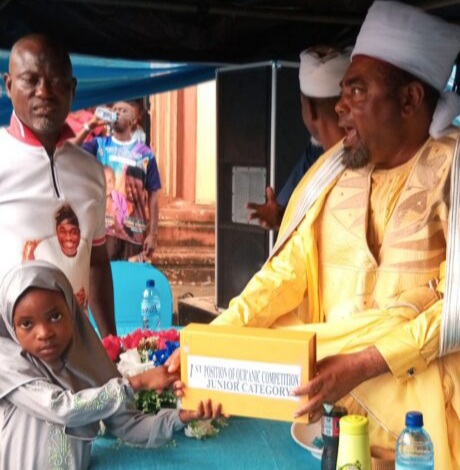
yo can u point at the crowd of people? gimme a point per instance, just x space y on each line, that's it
366 256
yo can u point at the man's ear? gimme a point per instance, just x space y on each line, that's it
132 124
412 98
133 117
7 81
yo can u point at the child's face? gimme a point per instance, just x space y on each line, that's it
43 324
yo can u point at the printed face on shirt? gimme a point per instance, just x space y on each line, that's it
134 189
69 238
40 85
369 112
43 324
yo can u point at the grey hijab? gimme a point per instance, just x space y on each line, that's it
85 364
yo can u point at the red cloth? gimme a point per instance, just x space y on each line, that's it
21 132
76 120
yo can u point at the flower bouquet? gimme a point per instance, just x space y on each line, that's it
142 350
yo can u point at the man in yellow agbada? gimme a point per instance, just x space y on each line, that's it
367 258
367 255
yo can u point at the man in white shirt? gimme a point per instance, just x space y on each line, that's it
41 171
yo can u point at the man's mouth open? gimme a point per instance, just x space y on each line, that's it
351 137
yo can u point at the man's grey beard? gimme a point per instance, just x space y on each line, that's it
356 158
45 124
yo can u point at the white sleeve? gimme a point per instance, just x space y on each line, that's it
50 402
146 430
99 222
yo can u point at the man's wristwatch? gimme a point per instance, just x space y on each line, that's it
87 127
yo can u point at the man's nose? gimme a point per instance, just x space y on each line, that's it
340 106
44 87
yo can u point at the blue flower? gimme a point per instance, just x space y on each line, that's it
160 356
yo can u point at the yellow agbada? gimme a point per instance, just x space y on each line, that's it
361 269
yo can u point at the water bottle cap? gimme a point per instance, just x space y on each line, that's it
414 419
353 424
150 283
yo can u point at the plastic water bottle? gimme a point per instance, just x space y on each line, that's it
414 449
106 114
150 307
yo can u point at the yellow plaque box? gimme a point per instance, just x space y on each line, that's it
250 371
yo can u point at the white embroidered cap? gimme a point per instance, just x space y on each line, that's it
419 43
320 74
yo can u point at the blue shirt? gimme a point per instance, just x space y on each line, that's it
131 171
116 154
306 160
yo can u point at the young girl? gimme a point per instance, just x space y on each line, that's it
57 382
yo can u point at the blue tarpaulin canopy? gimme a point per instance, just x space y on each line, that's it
107 80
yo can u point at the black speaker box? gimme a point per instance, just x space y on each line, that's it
260 138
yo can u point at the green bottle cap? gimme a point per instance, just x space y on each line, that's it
353 424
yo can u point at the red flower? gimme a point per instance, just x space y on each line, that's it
132 340
112 345
115 345
167 335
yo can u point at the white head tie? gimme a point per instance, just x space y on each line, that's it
419 43
320 76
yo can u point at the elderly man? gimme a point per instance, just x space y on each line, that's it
40 171
321 70
367 255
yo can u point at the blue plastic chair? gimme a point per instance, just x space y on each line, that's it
129 281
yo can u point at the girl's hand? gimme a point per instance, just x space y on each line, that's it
205 411
178 388
173 362
156 379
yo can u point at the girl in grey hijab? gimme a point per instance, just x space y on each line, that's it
57 382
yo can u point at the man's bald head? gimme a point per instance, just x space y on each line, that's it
44 47
40 86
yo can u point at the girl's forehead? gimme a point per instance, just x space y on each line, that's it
36 297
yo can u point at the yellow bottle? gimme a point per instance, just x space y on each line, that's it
354 449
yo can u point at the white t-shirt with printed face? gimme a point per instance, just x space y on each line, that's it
33 188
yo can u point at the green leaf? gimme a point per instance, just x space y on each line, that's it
150 401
